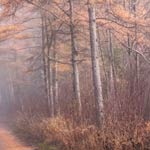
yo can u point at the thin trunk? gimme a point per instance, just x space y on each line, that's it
44 64
95 64
50 76
45 51
113 88
130 66
137 69
11 86
55 80
50 70
76 83
129 58
102 58
18 90
137 63
51 87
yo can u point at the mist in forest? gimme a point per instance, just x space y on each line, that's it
75 74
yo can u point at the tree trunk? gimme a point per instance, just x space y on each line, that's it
48 63
55 80
103 63
76 83
50 73
113 88
95 64
44 59
137 63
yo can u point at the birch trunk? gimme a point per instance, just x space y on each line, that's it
46 62
55 80
95 64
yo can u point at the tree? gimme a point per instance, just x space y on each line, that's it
95 63
76 83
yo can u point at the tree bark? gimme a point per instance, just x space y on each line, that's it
113 88
55 80
97 83
76 83
45 64
50 73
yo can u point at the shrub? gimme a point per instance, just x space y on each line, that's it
62 134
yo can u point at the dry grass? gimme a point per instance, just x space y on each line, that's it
114 135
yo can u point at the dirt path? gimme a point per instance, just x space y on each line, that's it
9 142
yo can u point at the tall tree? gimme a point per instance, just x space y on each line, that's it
76 83
97 83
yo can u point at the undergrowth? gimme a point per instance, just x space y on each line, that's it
61 134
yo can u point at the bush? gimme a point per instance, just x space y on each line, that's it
29 128
59 133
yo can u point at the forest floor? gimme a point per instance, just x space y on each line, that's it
8 141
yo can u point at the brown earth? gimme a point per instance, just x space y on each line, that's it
9 142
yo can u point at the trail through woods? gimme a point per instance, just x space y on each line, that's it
9 142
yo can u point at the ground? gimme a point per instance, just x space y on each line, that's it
9 142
